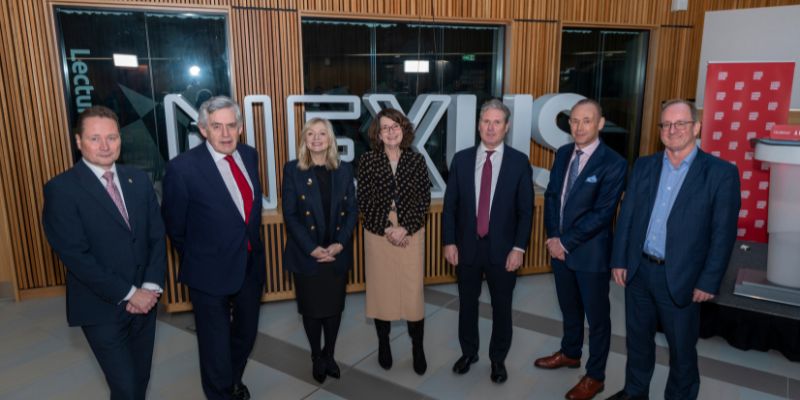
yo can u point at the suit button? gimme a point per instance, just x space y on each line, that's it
345 197
313 227
338 228
302 197
342 213
308 213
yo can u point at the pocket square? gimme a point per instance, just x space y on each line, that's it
592 179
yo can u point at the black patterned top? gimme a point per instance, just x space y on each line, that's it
377 187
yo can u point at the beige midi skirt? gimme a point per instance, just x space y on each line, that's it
394 276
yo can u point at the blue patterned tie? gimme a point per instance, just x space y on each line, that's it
574 166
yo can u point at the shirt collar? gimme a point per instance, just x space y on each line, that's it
498 150
590 149
97 170
687 162
217 155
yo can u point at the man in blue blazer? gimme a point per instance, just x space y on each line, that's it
675 233
580 202
212 210
103 221
486 220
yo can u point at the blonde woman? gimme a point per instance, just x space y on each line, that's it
319 212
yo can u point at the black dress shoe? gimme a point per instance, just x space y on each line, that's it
240 392
499 374
331 368
621 395
461 366
319 368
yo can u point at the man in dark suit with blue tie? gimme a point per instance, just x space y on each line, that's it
674 237
103 221
580 202
212 210
486 224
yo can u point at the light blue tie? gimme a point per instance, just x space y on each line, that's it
574 166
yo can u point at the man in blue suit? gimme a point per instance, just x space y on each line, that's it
580 202
103 221
488 207
212 210
674 237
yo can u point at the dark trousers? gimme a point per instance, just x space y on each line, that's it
584 293
226 331
124 350
501 288
647 303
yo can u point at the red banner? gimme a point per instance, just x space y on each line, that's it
744 101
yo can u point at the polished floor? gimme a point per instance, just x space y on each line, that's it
42 358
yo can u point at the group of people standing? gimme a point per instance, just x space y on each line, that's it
670 248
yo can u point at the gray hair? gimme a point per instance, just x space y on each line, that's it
497 105
687 103
215 104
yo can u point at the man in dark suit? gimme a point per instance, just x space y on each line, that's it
488 206
102 219
212 210
580 202
674 237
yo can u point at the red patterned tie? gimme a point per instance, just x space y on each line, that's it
116 197
244 190
485 195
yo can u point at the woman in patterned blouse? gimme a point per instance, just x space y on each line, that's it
393 196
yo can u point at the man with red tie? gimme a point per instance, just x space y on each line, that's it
488 207
212 210
102 220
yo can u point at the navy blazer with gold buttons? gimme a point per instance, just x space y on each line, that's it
305 220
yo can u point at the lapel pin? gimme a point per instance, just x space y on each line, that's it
130 180
309 182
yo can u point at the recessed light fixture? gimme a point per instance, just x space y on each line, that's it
417 66
126 60
194 70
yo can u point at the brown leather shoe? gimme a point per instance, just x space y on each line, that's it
557 360
586 389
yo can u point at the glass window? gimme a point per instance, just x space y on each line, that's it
129 60
401 58
608 66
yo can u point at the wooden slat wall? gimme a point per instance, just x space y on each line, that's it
265 45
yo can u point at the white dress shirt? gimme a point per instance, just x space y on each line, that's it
227 176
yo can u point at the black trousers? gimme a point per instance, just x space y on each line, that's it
226 331
124 350
501 288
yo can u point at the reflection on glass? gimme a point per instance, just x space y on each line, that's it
608 66
359 57
129 60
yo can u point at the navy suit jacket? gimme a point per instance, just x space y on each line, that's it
103 257
205 226
586 231
305 219
701 228
512 206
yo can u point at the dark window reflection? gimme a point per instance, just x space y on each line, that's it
182 53
609 66
359 57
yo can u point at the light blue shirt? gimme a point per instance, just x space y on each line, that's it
668 187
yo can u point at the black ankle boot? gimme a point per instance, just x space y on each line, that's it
319 368
384 349
331 368
416 330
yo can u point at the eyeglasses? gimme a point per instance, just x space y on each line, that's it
679 125
387 128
